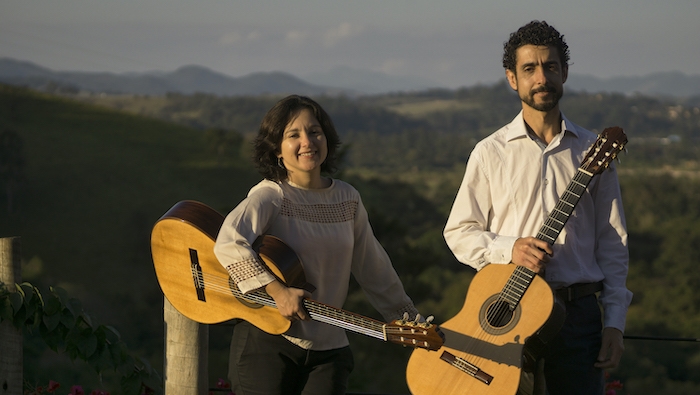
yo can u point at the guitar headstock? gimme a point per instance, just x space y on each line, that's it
605 149
415 334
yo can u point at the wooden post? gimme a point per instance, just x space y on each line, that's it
10 338
186 354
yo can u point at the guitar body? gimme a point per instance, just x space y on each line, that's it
182 245
489 351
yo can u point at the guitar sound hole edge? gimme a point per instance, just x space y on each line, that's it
493 309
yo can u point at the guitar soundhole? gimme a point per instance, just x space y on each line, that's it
496 316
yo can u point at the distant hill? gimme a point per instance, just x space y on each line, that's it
370 82
337 81
185 80
674 84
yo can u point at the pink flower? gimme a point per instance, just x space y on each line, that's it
76 390
53 386
221 383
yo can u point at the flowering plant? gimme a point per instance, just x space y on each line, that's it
611 387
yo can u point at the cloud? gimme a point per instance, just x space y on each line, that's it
295 37
340 33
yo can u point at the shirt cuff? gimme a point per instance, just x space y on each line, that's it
501 249
256 282
615 317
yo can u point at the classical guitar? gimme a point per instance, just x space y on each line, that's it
507 308
198 286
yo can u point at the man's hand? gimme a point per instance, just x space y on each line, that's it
611 349
290 301
532 253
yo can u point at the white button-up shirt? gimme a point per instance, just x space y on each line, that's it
509 188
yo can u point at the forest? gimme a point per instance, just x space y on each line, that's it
92 174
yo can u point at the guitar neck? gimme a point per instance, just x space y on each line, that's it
565 206
329 315
522 277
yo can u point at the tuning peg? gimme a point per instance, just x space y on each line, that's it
429 319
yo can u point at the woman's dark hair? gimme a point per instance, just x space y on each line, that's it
534 33
269 139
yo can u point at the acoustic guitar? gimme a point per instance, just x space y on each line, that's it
509 312
200 288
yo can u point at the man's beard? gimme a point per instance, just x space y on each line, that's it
546 105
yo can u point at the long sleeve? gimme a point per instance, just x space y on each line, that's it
241 227
611 251
467 231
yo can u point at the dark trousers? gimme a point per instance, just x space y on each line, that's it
569 357
264 364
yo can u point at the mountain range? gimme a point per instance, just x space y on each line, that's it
346 81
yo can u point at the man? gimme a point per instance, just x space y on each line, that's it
513 179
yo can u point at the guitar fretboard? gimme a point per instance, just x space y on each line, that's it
327 314
522 277
562 211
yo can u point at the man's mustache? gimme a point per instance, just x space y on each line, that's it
544 89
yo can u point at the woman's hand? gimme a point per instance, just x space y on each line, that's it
290 301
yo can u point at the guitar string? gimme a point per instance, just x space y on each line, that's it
318 311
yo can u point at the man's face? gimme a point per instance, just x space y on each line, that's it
539 76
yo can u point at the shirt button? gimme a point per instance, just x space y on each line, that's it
546 181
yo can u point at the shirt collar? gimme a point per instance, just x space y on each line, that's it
517 128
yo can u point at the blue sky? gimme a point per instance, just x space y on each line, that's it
449 42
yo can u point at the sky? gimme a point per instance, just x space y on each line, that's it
451 43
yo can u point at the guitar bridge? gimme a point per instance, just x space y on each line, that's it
466 367
197 275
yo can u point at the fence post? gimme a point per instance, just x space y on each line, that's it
10 337
186 354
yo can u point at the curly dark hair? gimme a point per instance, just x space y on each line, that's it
269 139
534 33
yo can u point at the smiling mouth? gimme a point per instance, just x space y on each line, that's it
307 154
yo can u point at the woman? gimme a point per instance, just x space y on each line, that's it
324 222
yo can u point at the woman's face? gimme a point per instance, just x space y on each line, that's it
304 148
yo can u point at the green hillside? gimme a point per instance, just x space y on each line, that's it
94 183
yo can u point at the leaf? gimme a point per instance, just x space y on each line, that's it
112 335
87 343
53 305
68 318
52 338
17 301
51 321
28 291
86 318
